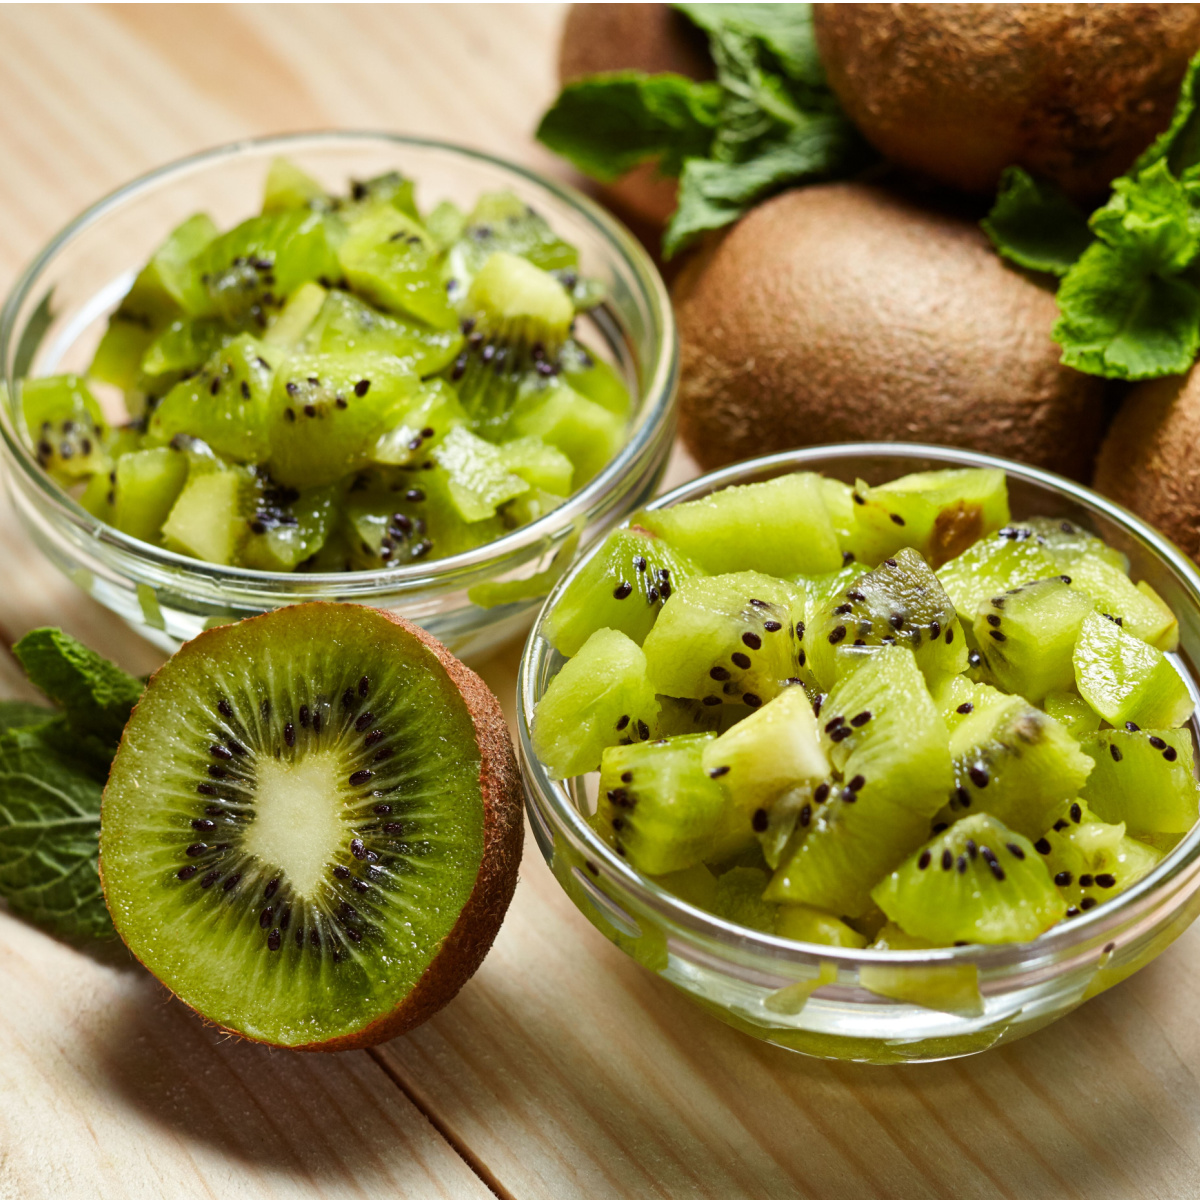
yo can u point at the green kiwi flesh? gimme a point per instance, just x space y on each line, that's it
312 826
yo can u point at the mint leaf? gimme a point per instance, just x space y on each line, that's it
49 835
96 695
1034 225
1179 143
608 124
785 30
1151 215
714 193
16 714
1124 321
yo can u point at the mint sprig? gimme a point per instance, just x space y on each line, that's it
769 121
1129 300
53 767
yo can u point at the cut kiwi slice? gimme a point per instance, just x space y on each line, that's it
979 881
803 923
780 527
775 748
184 345
600 698
661 809
1072 712
1124 679
587 433
887 744
142 488
1143 778
1067 542
208 519
725 639
288 527
1015 762
1116 596
898 603
312 827
939 513
623 586
677 716
739 899
1092 861
1028 636
65 426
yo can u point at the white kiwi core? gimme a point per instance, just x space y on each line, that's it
298 817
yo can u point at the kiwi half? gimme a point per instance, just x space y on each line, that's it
312 826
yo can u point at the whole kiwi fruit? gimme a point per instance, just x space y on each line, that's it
1148 460
1072 92
846 312
312 826
634 37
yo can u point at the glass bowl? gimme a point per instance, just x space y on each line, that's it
57 311
863 1005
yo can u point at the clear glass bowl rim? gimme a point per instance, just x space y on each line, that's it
654 411
1054 946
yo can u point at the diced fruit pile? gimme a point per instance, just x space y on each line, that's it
884 716
339 383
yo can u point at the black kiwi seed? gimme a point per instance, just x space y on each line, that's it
717 772
750 699
924 860
1106 880
1042 846
848 795
833 723
979 776
837 635
1015 850
639 563
963 797
711 700
1086 881
962 864
1170 754
949 634
622 590
1063 879
860 719
1076 813
772 626
821 793
740 660
947 860
622 721
841 733
186 872
971 848
759 821
720 674
805 815
1116 754
856 784
1157 742
1088 902
363 720
360 777
1132 727
225 708
364 685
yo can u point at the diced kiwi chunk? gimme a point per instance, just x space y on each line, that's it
725 639
774 748
939 513
1067 542
588 434
676 716
995 565
1143 778
594 379
65 426
888 747
208 519
803 923
1124 679
600 698
979 881
185 344
478 474
780 527
1028 636
898 603
288 186
326 413
143 488
1015 762
1072 712
623 586
243 276
1090 860
226 405
662 810
391 260
344 324
155 298
288 527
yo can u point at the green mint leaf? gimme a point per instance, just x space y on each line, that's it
1034 225
784 30
1179 143
49 833
608 124
17 714
1123 321
95 695
1151 216
714 193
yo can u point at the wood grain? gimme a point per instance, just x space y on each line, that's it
563 1070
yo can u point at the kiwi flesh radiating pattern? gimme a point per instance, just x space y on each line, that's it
302 806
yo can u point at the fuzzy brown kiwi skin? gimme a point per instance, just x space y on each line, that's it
1148 461
845 312
465 946
634 37
1072 92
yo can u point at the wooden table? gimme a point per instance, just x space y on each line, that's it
563 1069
